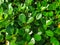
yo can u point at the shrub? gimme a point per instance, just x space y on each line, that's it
30 22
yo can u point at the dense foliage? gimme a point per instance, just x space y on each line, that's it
30 22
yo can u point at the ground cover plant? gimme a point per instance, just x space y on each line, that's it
29 22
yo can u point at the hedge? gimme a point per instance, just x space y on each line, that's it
29 22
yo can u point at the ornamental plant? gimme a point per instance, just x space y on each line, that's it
29 22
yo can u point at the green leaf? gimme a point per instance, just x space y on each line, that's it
28 2
51 13
28 37
10 29
30 43
49 22
10 8
1 1
53 6
36 23
1 37
12 42
27 30
30 20
49 33
45 14
54 41
43 8
37 37
22 42
5 15
57 31
44 3
1 10
22 18
21 32
6 0
8 37
38 16
38 5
